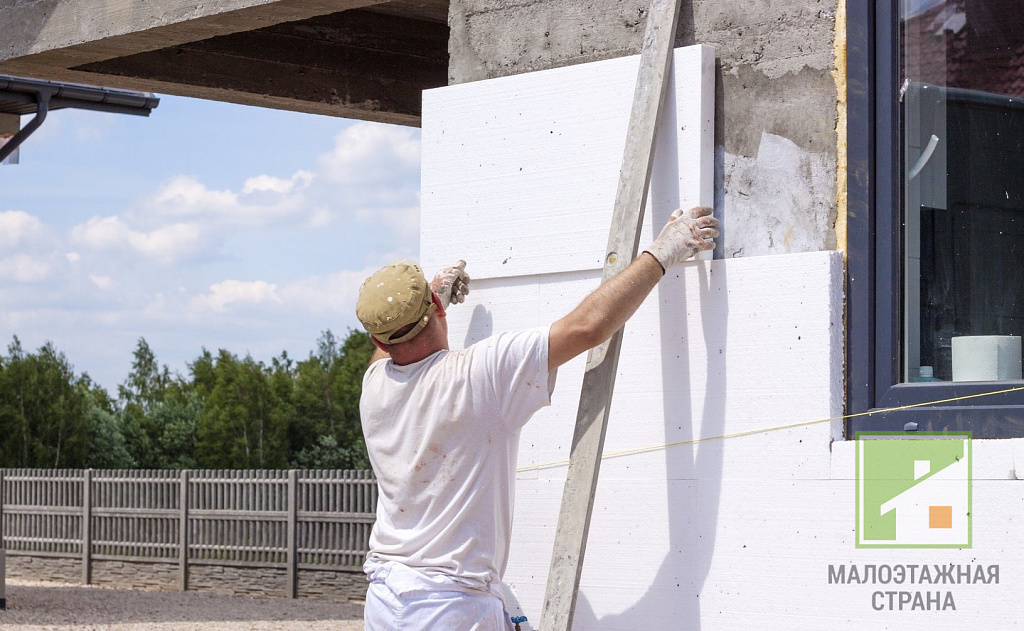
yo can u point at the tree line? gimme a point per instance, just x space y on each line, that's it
227 412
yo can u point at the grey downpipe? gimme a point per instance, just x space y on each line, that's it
43 100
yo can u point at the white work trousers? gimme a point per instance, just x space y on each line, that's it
392 605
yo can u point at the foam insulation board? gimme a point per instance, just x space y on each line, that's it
716 350
521 171
519 177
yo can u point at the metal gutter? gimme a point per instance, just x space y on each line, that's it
22 96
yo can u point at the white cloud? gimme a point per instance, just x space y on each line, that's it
24 247
24 268
103 282
402 223
322 294
235 291
301 179
17 226
74 257
329 293
186 195
369 178
101 232
156 309
166 244
321 218
372 176
264 200
369 154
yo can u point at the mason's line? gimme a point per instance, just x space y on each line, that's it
703 439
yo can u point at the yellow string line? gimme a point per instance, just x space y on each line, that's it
693 441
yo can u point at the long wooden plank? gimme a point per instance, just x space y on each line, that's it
602 362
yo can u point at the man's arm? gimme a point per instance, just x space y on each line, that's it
606 310
603 312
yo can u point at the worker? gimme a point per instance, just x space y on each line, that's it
442 429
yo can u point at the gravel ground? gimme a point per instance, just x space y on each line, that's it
34 606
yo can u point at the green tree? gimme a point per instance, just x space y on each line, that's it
107 447
238 427
177 416
147 382
327 389
42 409
139 395
356 352
204 377
228 412
17 436
328 454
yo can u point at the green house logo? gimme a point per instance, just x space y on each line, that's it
913 491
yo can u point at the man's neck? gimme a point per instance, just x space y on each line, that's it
404 356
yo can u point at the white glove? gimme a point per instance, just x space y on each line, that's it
451 284
686 233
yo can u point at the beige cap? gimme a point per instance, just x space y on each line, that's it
392 298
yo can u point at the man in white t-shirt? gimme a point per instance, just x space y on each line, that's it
442 429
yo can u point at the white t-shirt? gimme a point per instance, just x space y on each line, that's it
443 437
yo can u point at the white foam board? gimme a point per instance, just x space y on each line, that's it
725 534
716 350
521 171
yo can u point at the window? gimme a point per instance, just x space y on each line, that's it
936 214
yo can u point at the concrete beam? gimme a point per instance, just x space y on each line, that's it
360 63
66 33
356 64
10 124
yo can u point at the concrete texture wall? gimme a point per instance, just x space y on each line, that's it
44 569
222 580
330 585
775 119
237 581
161 577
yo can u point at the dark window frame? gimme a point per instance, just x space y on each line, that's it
874 245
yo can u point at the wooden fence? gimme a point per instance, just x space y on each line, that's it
318 520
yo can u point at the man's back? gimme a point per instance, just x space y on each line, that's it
442 434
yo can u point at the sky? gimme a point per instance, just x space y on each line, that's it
205 225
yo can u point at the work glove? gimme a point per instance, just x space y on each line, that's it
686 233
451 284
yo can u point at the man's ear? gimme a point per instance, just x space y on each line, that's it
381 345
437 301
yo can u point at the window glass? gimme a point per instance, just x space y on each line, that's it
962 121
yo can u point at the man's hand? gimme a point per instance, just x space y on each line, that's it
686 233
451 284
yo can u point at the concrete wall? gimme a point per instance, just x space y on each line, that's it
44 569
223 580
775 138
128 575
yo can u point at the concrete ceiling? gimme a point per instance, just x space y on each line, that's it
351 58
